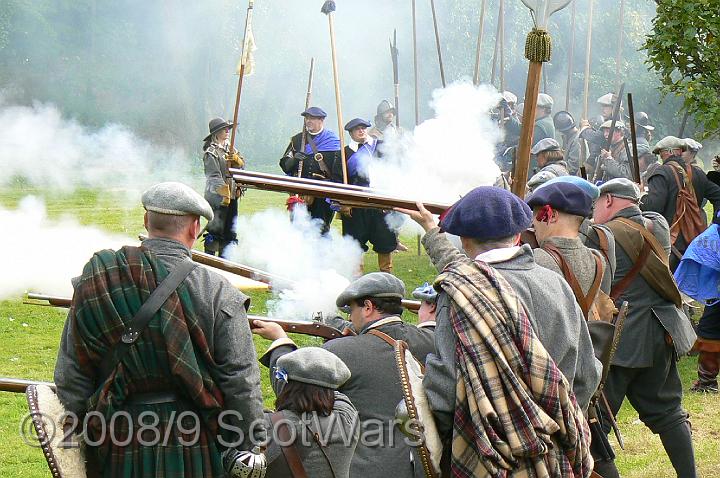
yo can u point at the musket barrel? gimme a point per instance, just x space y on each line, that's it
19 385
334 192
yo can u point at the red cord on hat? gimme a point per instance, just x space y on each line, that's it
544 214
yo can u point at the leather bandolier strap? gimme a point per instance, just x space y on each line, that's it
649 258
292 458
584 300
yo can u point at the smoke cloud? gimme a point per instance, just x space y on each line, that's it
320 266
41 255
39 144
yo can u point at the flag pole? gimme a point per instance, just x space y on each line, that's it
241 73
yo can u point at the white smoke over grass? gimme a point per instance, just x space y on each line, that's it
319 266
41 255
39 144
446 156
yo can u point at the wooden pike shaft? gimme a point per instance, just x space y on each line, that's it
618 57
338 102
437 43
502 45
493 70
588 50
241 76
571 54
415 64
478 48
633 136
367 199
522 163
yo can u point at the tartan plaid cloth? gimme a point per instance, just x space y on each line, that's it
170 355
515 414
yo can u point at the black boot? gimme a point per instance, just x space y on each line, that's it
679 448
606 469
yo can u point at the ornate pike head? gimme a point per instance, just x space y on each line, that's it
328 7
542 9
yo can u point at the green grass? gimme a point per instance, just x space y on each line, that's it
30 336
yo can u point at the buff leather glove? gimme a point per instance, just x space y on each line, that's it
235 160
224 192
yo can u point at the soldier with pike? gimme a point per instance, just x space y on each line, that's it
221 190
313 153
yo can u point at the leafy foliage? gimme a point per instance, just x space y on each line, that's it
684 49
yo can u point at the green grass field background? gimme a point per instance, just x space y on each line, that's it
29 337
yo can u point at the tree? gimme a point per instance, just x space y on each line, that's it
684 49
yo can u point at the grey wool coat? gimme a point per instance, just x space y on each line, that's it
224 322
649 314
338 433
374 389
554 315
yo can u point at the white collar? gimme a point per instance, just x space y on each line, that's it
315 134
354 145
381 322
428 323
498 255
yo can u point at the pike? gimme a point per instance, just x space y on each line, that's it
396 76
415 64
618 57
571 53
588 50
304 327
611 132
478 48
437 43
537 51
328 9
633 137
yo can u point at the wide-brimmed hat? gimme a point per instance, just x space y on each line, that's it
215 125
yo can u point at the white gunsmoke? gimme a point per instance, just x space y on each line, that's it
37 143
41 255
320 266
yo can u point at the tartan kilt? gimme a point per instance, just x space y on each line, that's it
176 454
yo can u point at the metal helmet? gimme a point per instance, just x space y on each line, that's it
384 106
563 121
643 120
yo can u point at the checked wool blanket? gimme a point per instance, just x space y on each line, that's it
515 414
170 355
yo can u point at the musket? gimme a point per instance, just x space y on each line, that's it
611 132
236 268
303 327
394 52
19 385
308 96
348 196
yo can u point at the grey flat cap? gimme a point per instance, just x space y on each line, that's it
313 365
176 199
545 101
374 284
621 188
545 144
692 145
607 99
618 124
669 142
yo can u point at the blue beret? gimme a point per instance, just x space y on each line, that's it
564 197
486 213
356 122
589 188
314 111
